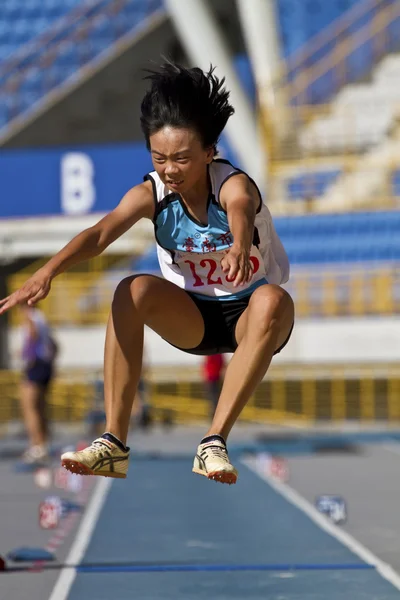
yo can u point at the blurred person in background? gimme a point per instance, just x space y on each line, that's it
39 351
222 264
213 367
141 416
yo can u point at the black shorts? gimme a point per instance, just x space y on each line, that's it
40 371
220 319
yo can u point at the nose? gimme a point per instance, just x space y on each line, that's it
171 169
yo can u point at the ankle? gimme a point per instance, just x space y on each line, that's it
107 435
213 437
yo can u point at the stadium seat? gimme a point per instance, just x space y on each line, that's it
23 20
296 25
310 184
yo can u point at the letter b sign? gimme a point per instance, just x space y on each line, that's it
78 193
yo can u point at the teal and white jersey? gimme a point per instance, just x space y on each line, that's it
190 252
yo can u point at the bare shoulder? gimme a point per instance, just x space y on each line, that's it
239 188
139 199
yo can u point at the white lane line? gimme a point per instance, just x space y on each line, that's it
385 570
81 542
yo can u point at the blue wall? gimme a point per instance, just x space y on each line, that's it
32 182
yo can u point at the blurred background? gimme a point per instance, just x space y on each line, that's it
316 86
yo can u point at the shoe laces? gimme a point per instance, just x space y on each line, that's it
217 452
97 447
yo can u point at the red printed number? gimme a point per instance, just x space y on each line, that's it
198 282
256 265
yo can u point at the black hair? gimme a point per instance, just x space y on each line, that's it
182 97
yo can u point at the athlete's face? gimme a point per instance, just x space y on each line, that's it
179 158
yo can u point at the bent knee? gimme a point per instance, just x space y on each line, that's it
272 306
133 290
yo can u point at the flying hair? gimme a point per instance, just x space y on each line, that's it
185 98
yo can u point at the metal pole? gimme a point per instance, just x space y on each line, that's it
260 29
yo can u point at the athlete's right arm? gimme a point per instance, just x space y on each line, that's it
137 203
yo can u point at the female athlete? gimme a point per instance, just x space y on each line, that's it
221 260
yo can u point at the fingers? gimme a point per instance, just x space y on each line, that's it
4 300
30 296
240 277
7 303
232 269
42 293
239 270
224 264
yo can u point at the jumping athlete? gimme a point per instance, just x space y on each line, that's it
221 260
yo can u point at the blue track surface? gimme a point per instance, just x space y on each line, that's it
163 523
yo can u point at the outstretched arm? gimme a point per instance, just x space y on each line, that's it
240 199
135 205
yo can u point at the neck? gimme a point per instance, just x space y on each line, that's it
198 194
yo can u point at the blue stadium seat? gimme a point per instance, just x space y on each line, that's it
27 99
21 32
32 82
32 9
103 31
300 20
355 237
11 12
133 12
310 184
360 61
69 55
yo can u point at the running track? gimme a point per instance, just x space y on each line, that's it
165 533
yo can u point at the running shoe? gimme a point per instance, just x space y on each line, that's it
102 457
35 455
212 461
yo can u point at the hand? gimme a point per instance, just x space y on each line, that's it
36 288
238 266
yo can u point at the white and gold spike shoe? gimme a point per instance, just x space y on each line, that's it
102 457
212 461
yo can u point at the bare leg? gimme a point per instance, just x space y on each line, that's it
261 329
138 301
43 411
32 413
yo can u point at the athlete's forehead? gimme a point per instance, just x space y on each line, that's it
170 141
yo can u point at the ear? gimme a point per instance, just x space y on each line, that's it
210 154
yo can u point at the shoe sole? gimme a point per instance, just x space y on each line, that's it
220 476
80 469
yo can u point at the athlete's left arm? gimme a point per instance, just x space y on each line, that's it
241 200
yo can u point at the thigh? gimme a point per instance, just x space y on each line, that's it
30 393
168 310
267 302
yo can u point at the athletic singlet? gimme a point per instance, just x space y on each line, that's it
190 253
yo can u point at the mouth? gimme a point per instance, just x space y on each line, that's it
175 183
